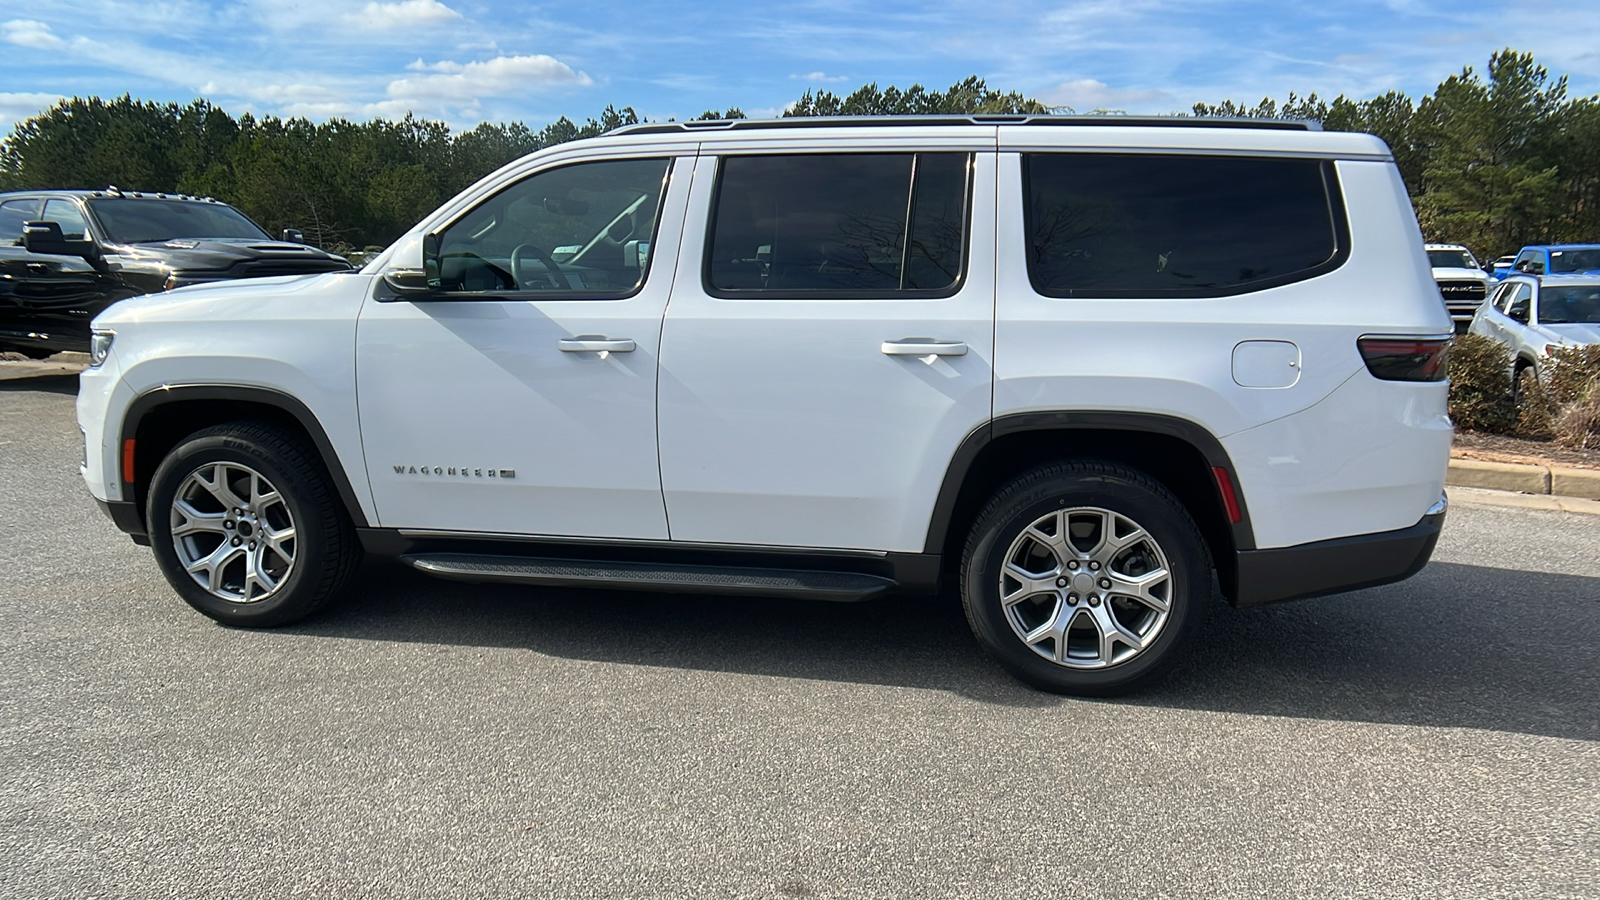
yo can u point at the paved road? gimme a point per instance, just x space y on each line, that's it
1438 738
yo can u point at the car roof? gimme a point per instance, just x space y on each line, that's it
1184 134
1444 247
1572 279
111 193
1560 247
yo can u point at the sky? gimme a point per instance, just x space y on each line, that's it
468 61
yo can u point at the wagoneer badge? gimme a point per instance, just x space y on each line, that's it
462 472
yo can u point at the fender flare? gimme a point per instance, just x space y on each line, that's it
156 398
1185 430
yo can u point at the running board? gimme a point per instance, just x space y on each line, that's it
629 576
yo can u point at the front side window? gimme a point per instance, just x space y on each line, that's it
1529 262
1146 225
839 225
1517 307
66 214
579 230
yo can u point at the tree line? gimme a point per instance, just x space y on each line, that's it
1492 160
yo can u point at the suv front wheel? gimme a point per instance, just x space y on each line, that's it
247 528
1085 578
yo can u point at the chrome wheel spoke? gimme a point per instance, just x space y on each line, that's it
1113 633
217 486
196 522
1027 584
1144 588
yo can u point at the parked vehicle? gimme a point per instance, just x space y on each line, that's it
1501 267
68 255
1533 315
1085 368
1462 281
1556 259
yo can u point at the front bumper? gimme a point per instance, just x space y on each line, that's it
1341 564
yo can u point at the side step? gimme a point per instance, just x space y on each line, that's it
680 579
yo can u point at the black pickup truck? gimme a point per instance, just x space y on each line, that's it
67 255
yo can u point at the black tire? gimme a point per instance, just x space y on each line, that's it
1524 385
1092 492
325 548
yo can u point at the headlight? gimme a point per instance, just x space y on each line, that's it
100 346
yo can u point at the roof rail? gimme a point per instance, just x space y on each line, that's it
997 119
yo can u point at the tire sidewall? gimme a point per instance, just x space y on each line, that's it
1166 522
288 601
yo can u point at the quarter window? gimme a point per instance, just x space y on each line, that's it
1143 225
579 231
839 225
1517 306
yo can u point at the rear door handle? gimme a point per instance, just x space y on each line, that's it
594 343
922 347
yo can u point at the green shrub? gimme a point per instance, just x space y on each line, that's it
1480 385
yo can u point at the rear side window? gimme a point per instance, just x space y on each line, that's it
839 225
1144 225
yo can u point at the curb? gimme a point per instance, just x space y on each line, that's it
1523 478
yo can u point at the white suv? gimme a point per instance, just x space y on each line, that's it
1462 281
1090 369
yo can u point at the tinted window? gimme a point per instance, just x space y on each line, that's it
1574 260
839 225
580 229
12 214
132 221
1116 225
66 214
1517 306
1451 259
1570 305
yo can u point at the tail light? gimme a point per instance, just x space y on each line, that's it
1392 358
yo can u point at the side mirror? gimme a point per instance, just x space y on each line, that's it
292 235
413 268
46 238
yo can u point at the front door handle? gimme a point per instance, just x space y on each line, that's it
924 347
594 343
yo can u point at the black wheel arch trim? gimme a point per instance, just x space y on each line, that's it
156 398
1185 430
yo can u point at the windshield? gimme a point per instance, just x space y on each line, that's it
1570 305
1451 259
1574 260
132 221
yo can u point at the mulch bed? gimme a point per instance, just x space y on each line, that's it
1500 448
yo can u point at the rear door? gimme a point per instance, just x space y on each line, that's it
828 345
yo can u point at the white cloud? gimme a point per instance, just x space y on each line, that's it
819 76
501 75
28 33
406 13
443 65
16 107
1087 94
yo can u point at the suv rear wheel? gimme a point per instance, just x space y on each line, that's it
247 528
1085 578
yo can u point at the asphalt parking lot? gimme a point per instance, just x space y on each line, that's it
1436 738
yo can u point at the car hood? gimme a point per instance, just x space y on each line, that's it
224 254
1460 275
1577 333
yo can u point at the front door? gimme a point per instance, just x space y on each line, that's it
518 397
828 346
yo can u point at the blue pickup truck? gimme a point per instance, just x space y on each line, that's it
1553 259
